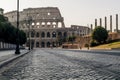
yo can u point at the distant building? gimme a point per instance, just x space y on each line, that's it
45 25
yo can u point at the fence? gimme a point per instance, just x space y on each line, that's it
5 46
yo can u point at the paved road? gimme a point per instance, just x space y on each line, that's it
57 64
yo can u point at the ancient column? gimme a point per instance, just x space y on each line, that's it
101 22
116 22
56 25
40 23
45 24
51 25
106 23
110 23
95 22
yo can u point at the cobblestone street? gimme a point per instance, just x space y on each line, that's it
58 64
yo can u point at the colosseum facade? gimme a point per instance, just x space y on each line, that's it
43 26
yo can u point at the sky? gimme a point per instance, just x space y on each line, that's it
75 12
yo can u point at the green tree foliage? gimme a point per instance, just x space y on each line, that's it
8 32
71 39
3 19
22 37
100 34
60 40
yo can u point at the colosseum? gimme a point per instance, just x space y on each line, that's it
43 26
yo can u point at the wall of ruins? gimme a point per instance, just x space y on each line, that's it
42 25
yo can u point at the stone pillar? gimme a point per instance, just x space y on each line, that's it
51 24
56 24
101 22
45 24
116 22
40 24
106 23
110 23
95 22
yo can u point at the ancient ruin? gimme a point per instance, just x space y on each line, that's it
43 26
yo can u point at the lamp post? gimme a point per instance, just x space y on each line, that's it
29 30
17 40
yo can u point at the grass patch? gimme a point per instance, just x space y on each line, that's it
110 45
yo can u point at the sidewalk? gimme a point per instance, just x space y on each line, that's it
9 55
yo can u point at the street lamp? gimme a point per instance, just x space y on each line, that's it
29 19
17 40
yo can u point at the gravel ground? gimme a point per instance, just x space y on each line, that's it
58 64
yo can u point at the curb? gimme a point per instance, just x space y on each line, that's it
3 63
100 49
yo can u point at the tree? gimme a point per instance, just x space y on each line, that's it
3 19
71 39
100 34
22 37
8 32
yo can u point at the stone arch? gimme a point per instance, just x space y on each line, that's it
48 24
54 24
65 34
59 24
37 44
48 13
48 44
37 23
42 44
43 34
32 33
33 23
37 34
43 24
48 34
53 34
53 44
60 34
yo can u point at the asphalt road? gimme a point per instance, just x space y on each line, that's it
58 64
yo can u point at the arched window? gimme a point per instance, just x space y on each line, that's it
48 24
43 24
32 34
54 24
37 44
33 23
65 34
59 24
42 34
37 23
53 34
48 34
60 34
42 44
48 44
37 34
